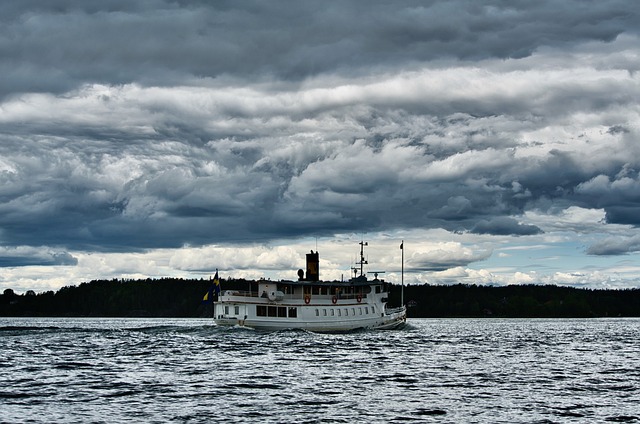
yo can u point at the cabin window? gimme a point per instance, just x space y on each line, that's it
353 311
237 310
360 311
317 313
377 289
339 312
346 312
373 309
293 312
226 310
333 312
324 312
282 312
366 310
261 310
272 311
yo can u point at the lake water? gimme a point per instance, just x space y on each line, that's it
434 370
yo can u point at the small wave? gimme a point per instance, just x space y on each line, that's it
26 329
122 393
73 365
174 329
256 386
570 414
424 411
18 395
399 377
623 419
314 402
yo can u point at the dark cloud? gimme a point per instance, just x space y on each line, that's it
504 226
617 192
623 215
39 257
55 47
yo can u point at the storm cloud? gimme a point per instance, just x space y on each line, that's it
131 127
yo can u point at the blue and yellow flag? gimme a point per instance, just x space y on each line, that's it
207 297
216 283
215 287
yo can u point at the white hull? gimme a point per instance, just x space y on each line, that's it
321 314
387 322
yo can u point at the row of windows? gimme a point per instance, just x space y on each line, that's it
276 311
267 311
345 311
292 312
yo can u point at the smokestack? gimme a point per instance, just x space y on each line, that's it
313 266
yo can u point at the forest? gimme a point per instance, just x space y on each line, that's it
171 297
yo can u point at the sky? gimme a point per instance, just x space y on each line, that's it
499 140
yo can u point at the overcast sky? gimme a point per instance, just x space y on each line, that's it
498 139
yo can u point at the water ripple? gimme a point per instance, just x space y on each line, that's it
481 371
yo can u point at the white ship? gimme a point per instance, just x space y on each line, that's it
311 304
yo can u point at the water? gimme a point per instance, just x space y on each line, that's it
435 370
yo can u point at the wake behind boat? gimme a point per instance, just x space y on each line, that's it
311 304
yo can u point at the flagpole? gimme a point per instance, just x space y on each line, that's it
402 275
216 288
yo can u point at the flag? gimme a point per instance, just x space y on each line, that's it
208 296
215 287
216 283
402 245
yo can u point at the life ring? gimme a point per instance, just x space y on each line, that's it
359 298
334 300
307 299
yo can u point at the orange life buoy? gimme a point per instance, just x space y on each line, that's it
334 299
359 298
307 299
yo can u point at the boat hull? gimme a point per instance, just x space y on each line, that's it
392 319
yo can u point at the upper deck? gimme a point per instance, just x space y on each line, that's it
299 290
309 286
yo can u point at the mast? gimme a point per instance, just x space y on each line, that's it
362 261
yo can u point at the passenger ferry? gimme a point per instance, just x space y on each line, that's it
311 304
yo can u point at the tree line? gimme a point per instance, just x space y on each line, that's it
518 301
175 297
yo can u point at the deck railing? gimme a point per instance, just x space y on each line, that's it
246 293
243 293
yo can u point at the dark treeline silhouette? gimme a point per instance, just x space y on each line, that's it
170 297
526 301
167 297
